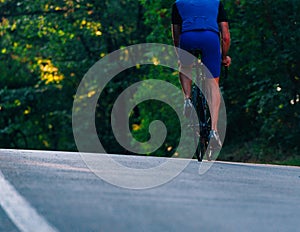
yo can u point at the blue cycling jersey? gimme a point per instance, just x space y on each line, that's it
199 14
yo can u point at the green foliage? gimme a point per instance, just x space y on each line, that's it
263 89
46 47
152 110
158 16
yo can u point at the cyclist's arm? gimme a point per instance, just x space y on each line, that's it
225 41
176 30
224 34
176 26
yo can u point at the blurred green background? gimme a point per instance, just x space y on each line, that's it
47 46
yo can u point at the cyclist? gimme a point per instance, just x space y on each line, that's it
197 25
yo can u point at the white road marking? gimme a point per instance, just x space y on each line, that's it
21 213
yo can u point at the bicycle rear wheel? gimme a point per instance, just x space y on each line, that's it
205 126
200 124
195 123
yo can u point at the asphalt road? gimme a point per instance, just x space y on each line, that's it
56 191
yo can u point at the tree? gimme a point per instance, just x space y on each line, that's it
262 91
47 47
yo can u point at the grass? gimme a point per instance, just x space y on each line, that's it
257 152
291 162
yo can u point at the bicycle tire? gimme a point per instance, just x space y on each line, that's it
196 124
200 122
205 126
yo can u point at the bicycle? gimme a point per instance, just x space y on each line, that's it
201 121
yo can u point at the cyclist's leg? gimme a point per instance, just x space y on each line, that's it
214 101
185 73
211 58
186 64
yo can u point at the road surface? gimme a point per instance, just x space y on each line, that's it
56 191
